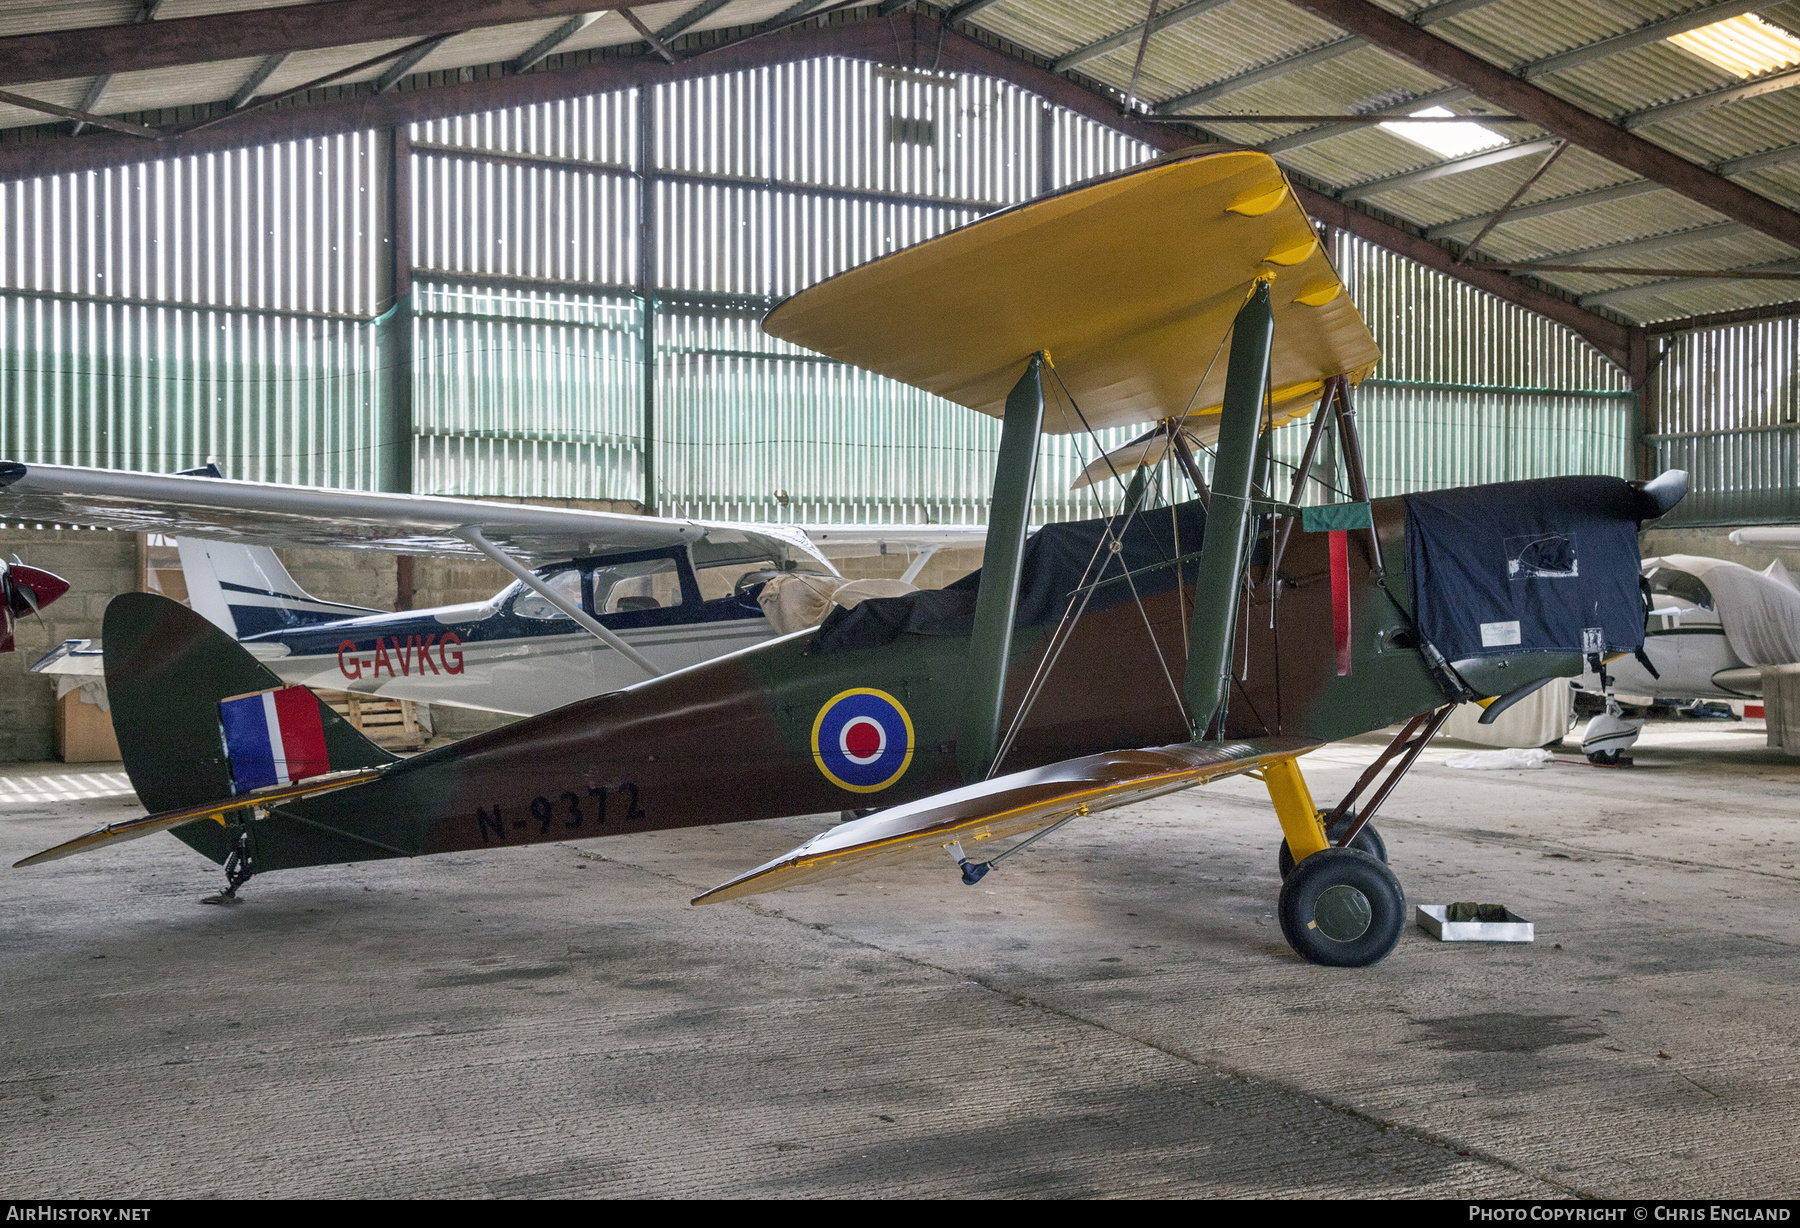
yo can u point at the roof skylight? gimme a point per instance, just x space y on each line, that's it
1745 46
1446 140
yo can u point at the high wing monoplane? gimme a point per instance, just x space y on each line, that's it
1095 664
602 600
1713 625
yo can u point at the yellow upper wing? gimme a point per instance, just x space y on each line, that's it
1130 283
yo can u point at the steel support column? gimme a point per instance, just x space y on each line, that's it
394 328
646 281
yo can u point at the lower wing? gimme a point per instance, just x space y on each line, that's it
1010 806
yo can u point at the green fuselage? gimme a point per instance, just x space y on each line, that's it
734 739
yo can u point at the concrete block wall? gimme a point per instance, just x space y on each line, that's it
96 565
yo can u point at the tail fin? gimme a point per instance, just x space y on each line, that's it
167 668
244 590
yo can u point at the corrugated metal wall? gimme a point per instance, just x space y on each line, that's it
155 315
1474 389
760 184
222 307
1727 404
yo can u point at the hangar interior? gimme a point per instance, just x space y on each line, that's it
520 250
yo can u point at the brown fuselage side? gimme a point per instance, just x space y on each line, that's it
730 740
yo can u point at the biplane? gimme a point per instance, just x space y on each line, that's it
601 599
1084 667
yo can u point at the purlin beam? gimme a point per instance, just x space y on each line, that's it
699 13
1430 15
1608 336
1312 136
90 100
1674 285
548 44
1132 34
1631 121
1562 61
57 55
1618 191
1451 63
1724 319
403 64
1642 36
1455 166
271 64
1651 243
883 41
1755 87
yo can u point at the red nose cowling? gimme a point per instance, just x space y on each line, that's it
24 590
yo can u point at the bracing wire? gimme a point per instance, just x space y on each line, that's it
1119 544
1072 615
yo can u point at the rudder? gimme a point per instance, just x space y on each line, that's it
245 590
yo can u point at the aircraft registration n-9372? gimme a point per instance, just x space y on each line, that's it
1099 663
609 600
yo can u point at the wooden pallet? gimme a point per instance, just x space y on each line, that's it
395 724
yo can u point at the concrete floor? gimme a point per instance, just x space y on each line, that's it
1113 1013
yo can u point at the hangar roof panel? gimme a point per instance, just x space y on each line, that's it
1249 56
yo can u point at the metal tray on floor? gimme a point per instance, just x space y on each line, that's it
1514 929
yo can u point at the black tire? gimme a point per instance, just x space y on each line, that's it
1368 840
1606 758
1342 909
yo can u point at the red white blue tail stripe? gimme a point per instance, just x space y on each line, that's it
273 738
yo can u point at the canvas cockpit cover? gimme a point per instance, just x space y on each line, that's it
1057 558
1519 567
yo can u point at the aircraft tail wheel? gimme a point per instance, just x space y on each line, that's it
1342 908
1368 840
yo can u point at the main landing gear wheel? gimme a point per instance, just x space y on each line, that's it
1342 908
1368 840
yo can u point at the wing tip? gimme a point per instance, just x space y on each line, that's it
733 888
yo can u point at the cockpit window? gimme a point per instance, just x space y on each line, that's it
648 584
565 584
1681 585
718 580
729 567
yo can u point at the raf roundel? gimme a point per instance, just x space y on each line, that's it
862 740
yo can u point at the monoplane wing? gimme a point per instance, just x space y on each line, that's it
1130 283
1011 805
847 541
272 514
